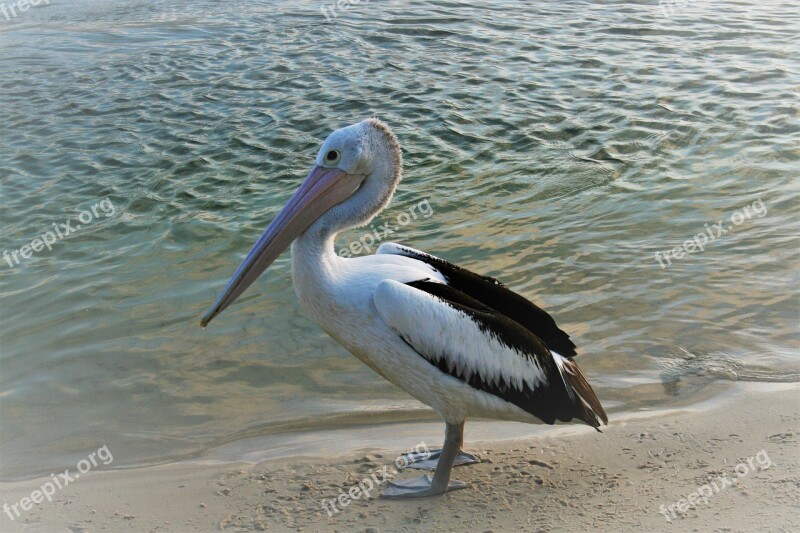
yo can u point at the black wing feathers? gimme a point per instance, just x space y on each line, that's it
550 400
494 294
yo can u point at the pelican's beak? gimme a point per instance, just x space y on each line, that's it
321 190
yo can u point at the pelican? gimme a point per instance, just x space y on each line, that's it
459 342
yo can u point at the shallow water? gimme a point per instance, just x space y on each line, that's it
559 146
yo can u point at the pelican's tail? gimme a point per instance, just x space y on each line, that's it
589 408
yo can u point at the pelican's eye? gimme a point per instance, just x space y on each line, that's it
332 157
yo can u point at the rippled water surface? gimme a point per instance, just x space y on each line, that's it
559 145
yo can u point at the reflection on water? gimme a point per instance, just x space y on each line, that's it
559 145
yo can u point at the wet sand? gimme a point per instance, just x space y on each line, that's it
564 481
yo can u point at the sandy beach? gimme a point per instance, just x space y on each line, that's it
736 459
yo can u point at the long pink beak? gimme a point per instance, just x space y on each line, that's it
321 190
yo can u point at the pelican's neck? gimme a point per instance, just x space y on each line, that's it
313 254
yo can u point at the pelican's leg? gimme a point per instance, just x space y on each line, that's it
428 460
440 483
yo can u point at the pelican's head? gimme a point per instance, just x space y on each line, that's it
363 148
356 172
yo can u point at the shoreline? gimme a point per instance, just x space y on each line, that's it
644 471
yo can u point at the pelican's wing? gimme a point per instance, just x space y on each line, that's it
485 349
494 294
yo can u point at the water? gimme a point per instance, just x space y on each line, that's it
559 145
